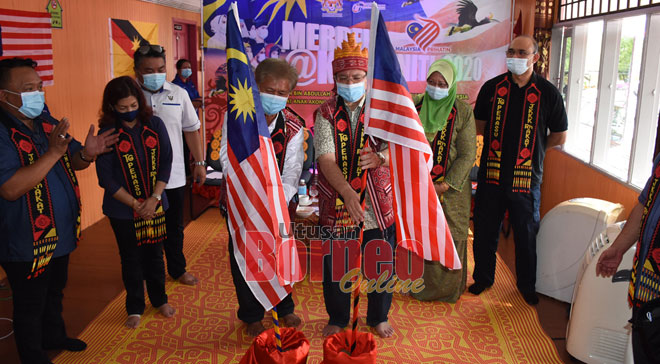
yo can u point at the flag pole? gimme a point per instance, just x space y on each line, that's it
375 13
370 78
276 321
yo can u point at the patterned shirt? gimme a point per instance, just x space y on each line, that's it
324 143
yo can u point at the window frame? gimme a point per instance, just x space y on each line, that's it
648 100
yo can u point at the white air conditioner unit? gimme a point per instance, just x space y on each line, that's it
563 237
598 330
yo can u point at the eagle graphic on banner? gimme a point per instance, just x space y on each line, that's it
126 37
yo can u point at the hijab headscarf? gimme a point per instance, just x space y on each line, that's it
434 113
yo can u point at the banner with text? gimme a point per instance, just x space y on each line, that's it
473 34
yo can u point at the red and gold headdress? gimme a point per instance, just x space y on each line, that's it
350 56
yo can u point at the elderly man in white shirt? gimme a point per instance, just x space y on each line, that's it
275 79
172 104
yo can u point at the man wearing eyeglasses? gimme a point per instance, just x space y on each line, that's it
343 158
172 104
520 115
39 208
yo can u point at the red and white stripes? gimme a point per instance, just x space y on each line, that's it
27 34
256 206
420 223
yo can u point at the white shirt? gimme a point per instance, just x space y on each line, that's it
173 105
293 161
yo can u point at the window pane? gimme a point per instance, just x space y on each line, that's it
589 94
625 97
567 66
642 172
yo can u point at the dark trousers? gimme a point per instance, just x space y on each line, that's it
138 264
38 322
644 335
249 308
338 303
490 204
176 262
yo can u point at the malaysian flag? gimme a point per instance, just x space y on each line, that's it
256 207
391 115
27 34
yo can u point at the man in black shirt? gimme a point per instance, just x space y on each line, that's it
514 112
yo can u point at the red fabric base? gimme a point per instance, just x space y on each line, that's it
337 347
295 348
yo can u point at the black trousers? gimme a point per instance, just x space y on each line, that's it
490 204
176 262
38 322
138 264
338 303
645 347
249 308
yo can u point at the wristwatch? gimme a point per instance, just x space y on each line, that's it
84 158
156 196
200 163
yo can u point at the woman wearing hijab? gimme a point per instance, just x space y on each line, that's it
450 130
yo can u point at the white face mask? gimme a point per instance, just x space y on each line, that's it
517 66
437 93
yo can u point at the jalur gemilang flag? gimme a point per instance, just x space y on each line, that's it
257 209
420 223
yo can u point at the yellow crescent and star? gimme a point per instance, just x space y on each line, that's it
241 100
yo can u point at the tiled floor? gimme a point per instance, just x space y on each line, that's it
95 279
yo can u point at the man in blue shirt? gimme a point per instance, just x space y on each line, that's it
184 80
39 208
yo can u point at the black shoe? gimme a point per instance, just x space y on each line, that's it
477 288
69 344
531 298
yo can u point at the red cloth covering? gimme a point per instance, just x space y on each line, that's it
295 348
206 191
337 347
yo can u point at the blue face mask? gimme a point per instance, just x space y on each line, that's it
127 116
272 104
186 72
352 92
437 93
33 103
154 81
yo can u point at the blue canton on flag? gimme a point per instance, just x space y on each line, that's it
246 120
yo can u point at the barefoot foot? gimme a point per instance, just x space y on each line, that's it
255 328
166 310
188 279
291 320
330 330
133 321
384 329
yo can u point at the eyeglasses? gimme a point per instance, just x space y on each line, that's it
150 47
520 52
353 79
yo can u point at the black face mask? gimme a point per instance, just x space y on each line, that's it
127 116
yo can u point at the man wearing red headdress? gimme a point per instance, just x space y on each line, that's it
343 159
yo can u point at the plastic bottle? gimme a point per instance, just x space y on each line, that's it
302 187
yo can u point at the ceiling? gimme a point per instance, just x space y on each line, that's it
189 5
